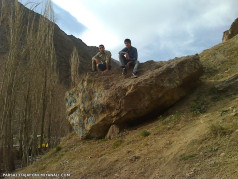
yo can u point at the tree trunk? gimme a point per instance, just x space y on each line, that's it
44 103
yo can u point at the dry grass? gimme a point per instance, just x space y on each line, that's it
220 62
181 139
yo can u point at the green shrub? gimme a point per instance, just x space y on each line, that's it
104 139
186 157
161 118
176 116
145 133
216 98
213 149
199 107
224 111
172 118
58 148
117 144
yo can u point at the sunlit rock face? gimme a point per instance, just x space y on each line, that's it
101 100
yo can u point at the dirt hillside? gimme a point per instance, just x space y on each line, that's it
196 138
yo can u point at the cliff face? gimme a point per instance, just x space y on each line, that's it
64 45
233 31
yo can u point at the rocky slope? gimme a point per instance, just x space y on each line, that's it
100 101
233 31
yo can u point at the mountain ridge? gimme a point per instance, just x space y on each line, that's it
64 45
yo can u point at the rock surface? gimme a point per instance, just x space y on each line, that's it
230 85
233 31
113 132
104 99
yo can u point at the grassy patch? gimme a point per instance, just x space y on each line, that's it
58 148
161 118
192 142
224 111
213 149
117 144
145 133
104 139
42 167
176 116
216 98
186 157
172 119
217 130
199 107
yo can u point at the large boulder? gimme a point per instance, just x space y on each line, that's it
233 31
101 100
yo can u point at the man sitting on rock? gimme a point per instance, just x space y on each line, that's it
128 57
102 60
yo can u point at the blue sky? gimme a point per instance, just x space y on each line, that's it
159 29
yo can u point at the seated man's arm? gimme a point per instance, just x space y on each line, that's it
134 55
96 58
123 51
108 61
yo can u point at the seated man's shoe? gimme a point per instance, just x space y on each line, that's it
134 75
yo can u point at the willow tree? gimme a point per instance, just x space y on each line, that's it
9 84
29 78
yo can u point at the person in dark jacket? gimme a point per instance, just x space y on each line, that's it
129 57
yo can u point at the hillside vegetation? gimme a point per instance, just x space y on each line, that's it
197 137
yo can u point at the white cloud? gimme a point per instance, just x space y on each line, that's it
96 31
159 29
